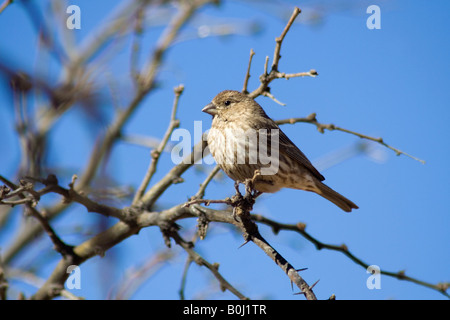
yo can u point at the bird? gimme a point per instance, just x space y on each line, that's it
239 129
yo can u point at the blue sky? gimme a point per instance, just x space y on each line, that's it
390 83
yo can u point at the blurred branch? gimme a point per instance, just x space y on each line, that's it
168 36
144 141
30 203
136 277
51 185
32 279
137 218
146 83
103 145
3 282
214 268
5 4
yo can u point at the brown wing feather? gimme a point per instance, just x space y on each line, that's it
297 155
285 143
291 150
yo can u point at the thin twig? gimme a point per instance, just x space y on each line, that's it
267 77
201 191
207 202
136 45
214 268
155 154
104 144
322 127
311 73
291 272
184 277
300 228
247 75
266 66
32 279
279 40
61 247
146 83
3 281
52 186
269 95
174 175
135 278
167 38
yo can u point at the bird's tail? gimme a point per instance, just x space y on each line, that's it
338 199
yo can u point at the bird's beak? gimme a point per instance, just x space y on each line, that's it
211 109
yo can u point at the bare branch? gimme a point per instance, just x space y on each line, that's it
146 83
322 127
167 38
247 75
173 176
242 205
60 246
269 95
51 185
134 278
201 191
155 154
311 73
5 4
267 77
300 228
214 268
140 215
279 40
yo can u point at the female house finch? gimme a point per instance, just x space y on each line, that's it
239 141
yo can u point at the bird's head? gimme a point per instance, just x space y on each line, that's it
231 105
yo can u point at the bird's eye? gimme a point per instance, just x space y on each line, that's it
227 103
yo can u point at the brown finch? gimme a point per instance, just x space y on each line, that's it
239 139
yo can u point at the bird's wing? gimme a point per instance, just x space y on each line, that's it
288 147
297 155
